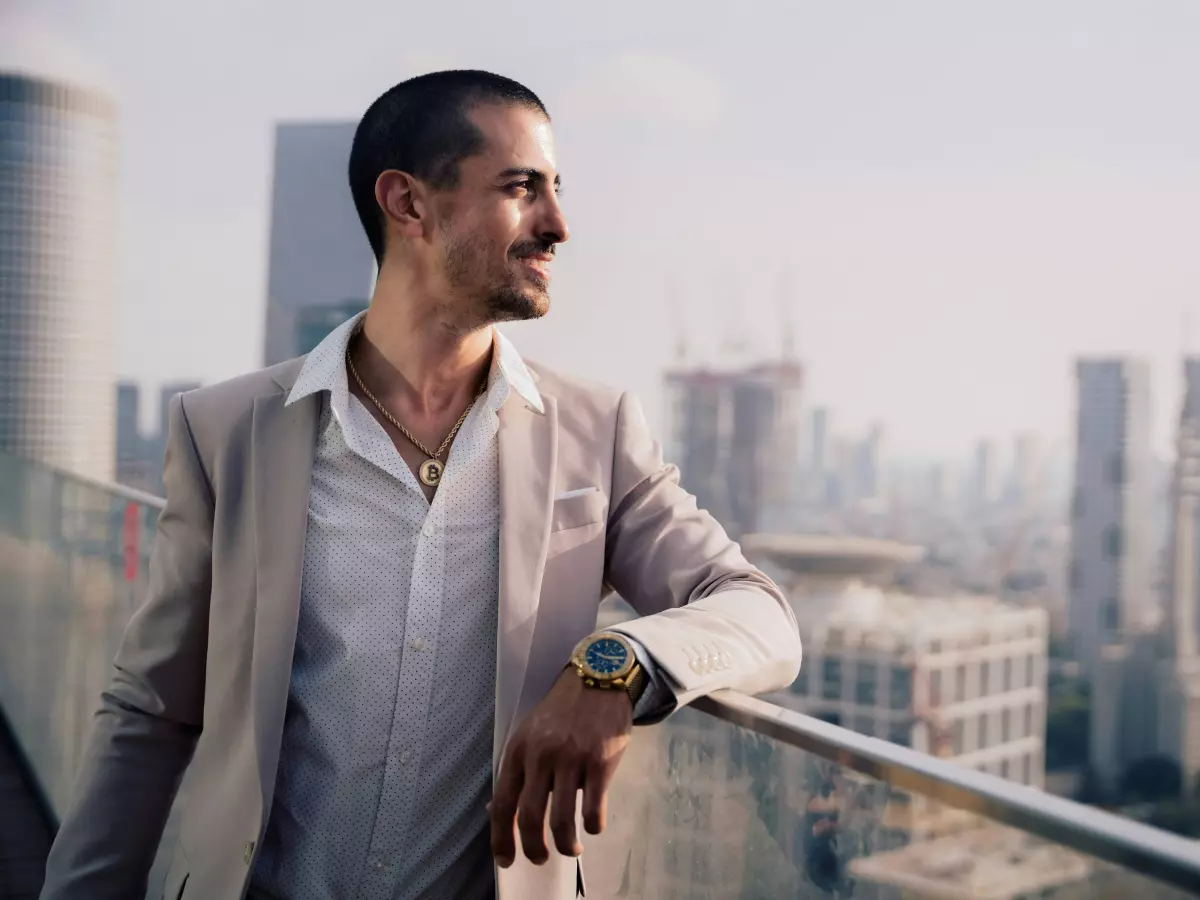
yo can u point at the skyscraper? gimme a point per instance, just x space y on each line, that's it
58 271
987 483
1110 551
735 435
820 453
319 254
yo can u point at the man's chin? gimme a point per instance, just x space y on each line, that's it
519 307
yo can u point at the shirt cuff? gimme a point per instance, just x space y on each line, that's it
658 698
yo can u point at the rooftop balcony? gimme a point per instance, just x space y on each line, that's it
732 798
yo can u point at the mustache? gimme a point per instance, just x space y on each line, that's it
532 248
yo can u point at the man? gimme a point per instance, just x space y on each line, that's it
376 577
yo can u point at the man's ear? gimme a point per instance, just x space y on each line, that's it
402 200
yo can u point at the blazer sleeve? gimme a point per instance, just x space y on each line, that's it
710 620
151 713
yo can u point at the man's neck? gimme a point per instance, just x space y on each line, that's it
411 355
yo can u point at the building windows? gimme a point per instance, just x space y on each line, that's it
984 668
901 688
800 685
1005 725
1116 468
1008 674
935 687
960 683
831 671
864 725
900 734
1027 769
960 737
1112 616
864 686
1028 730
1005 768
983 731
1112 541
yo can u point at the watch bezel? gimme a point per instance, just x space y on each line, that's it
579 658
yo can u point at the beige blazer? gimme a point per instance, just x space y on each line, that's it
202 677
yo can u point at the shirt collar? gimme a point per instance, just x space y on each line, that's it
325 369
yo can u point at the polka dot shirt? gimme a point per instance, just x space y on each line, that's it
385 769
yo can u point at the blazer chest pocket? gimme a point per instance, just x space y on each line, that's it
577 510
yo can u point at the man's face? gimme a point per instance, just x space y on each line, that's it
498 230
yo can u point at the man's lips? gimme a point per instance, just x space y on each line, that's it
539 263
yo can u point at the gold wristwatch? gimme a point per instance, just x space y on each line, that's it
607 661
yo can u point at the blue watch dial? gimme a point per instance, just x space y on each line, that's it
606 656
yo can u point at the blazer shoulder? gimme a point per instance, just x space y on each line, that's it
570 390
214 410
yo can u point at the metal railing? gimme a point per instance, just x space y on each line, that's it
1140 848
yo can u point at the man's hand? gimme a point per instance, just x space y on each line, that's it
572 740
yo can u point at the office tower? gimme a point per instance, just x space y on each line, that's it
1024 487
58 254
318 254
1110 574
735 436
869 478
1179 669
135 466
986 486
314 323
820 454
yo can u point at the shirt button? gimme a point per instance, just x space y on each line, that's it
404 758
418 644
427 529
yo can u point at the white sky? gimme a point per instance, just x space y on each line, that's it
963 196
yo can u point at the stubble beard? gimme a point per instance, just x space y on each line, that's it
505 299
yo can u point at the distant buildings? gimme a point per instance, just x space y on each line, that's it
140 456
963 678
58 262
735 435
987 482
314 323
318 253
1110 570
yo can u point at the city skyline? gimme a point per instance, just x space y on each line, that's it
1038 205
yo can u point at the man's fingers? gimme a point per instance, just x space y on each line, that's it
531 814
562 810
595 796
504 808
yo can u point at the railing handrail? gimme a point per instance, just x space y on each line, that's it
1141 848
117 490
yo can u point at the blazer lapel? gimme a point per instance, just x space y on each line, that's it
528 455
283 443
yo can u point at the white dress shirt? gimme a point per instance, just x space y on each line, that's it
386 760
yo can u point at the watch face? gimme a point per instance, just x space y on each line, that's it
606 656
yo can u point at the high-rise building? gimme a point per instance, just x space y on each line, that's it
1110 585
820 455
735 435
987 482
869 477
58 254
318 254
135 466
1024 482
314 323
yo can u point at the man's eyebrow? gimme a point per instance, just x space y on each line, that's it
528 172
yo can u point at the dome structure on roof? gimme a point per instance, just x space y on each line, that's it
32 48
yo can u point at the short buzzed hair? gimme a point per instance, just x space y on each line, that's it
421 127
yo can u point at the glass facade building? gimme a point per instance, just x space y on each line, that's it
58 274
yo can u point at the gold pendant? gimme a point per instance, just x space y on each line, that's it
431 472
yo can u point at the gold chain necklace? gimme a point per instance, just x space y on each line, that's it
432 470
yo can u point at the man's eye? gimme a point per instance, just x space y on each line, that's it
522 186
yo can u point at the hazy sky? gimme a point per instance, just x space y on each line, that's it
961 196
